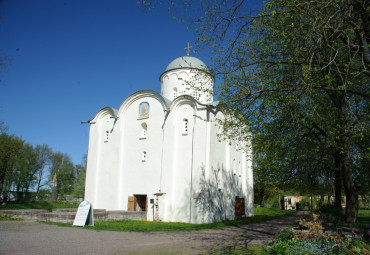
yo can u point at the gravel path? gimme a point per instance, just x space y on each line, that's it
22 237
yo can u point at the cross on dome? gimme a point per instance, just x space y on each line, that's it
187 49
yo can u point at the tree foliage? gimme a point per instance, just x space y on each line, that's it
299 70
62 166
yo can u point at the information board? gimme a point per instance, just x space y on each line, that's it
84 215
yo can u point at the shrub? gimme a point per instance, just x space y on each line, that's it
284 235
305 247
330 213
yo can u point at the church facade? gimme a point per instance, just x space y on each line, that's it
164 154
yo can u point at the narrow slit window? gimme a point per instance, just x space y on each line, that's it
234 171
106 136
185 126
174 93
144 131
239 170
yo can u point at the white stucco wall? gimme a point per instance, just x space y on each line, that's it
199 173
187 81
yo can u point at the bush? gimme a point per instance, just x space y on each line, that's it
284 235
305 247
330 213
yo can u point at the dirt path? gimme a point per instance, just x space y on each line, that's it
21 237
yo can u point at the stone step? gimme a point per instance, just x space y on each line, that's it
26 214
67 215
65 210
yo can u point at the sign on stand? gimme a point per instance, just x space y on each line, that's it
84 215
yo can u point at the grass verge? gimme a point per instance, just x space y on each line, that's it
4 217
261 214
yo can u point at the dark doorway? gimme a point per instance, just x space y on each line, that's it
239 206
141 203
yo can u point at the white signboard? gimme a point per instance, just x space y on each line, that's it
84 215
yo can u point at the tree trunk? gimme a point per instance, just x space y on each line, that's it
262 197
2 178
337 182
38 186
343 146
349 185
328 186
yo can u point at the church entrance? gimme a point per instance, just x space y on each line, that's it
138 203
239 206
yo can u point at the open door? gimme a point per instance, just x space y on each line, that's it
142 203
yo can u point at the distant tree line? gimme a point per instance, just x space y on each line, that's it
25 168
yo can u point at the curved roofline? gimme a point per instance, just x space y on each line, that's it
107 109
140 94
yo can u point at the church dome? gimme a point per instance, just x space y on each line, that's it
187 62
187 76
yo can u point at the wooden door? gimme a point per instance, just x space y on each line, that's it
132 204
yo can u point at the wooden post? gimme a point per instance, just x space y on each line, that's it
55 193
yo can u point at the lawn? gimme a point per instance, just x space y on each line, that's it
261 214
363 217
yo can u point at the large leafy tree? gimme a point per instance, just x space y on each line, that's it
305 66
25 170
10 153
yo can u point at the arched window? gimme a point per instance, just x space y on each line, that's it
106 136
174 93
185 126
143 157
144 130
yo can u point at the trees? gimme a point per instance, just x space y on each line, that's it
298 70
43 153
10 152
303 65
25 168
25 171
80 174
62 166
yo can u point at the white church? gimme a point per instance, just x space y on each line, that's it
164 153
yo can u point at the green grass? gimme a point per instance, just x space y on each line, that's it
364 216
363 219
47 205
261 214
4 217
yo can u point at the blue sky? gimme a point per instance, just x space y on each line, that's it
73 57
